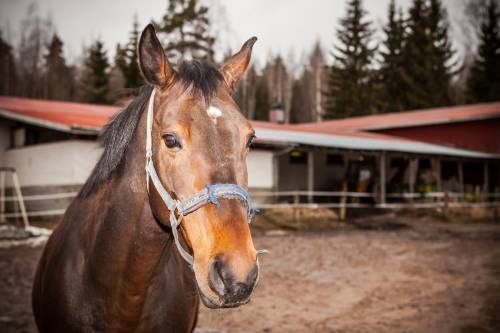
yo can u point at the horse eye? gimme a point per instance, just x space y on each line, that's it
171 141
250 140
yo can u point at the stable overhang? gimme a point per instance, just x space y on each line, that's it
88 119
73 129
406 119
352 142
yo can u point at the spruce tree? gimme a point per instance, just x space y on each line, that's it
418 73
185 28
132 74
426 57
441 54
390 95
120 60
483 83
58 83
350 80
7 69
117 80
301 110
262 100
95 78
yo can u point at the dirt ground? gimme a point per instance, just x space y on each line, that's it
385 274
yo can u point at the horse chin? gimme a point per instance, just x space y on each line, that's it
211 304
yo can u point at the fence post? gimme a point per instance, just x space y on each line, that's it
343 200
486 180
382 178
437 163
310 175
296 201
445 204
461 180
413 165
2 196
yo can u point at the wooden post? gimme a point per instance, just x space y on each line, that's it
310 175
486 179
275 172
461 179
20 199
343 201
439 184
2 196
413 165
382 178
296 201
446 201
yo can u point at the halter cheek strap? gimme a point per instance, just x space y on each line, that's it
178 209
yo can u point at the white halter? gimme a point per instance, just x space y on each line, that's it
179 209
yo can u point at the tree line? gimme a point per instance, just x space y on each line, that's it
415 66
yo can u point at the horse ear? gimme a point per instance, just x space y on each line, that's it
235 67
152 59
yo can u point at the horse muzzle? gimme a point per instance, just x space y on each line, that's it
231 291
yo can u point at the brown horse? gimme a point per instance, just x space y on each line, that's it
112 263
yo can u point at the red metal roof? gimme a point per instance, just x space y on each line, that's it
78 115
72 115
89 118
407 119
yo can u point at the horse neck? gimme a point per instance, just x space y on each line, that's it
129 236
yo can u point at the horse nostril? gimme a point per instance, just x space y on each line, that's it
216 277
224 284
252 276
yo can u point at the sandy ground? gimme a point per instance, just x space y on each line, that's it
381 276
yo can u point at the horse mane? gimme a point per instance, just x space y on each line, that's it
197 75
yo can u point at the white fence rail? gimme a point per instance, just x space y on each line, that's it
429 200
38 197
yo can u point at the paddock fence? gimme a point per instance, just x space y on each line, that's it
266 200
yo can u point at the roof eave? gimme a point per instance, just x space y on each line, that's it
73 129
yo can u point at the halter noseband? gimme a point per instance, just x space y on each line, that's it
179 209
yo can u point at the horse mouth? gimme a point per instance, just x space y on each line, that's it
211 304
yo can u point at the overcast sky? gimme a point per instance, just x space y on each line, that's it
289 27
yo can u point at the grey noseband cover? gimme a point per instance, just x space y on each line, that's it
178 209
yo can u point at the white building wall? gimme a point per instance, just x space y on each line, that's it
70 163
260 169
58 163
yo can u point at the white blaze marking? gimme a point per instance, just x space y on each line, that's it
214 113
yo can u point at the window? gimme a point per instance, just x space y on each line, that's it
298 157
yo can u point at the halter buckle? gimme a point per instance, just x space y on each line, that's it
178 214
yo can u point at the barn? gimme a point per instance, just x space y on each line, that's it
53 147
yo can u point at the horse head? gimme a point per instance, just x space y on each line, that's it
200 137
